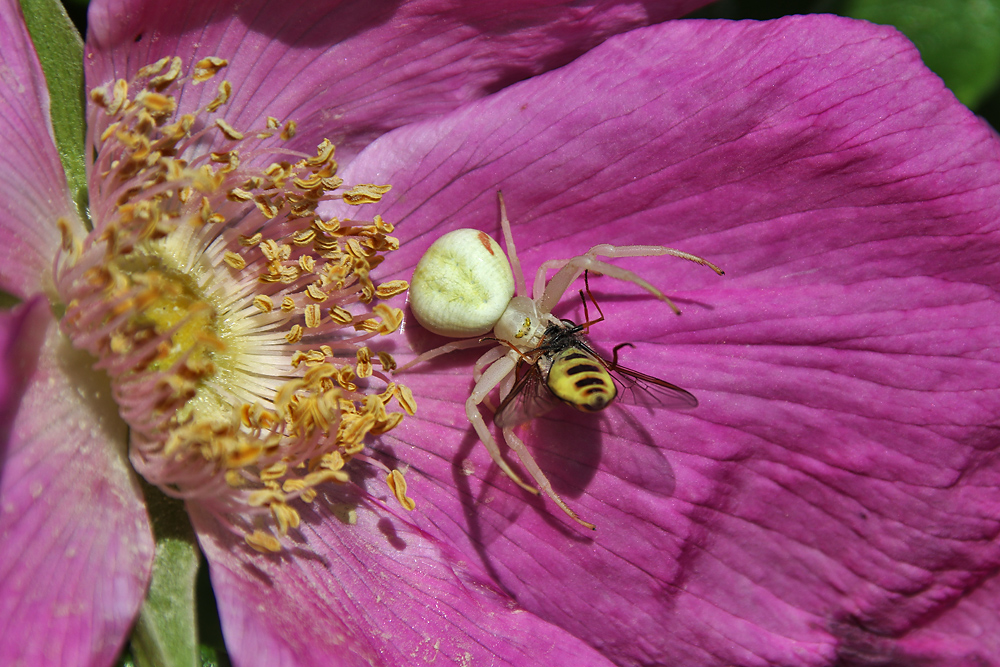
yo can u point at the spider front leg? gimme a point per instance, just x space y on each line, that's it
485 361
570 269
493 376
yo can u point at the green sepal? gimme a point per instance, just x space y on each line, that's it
166 632
958 39
60 51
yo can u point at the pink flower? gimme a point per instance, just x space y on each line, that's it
832 499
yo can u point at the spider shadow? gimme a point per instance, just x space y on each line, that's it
568 452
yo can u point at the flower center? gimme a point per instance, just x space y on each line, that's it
232 318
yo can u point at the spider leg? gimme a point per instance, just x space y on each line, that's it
493 376
483 362
488 358
444 349
520 287
528 461
570 269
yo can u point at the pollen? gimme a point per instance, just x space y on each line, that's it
233 320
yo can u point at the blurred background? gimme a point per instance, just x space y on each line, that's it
958 39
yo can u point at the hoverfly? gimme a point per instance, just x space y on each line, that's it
564 367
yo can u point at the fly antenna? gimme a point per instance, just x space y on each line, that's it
586 316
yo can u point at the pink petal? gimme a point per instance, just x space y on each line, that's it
839 479
965 635
32 183
77 549
378 592
350 71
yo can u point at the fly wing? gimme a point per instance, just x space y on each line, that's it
650 392
528 398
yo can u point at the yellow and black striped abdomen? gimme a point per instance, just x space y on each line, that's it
581 380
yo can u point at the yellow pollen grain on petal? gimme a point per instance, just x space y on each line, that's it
365 194
251 241
391 421
71 246
234 260
239 194
205 212
324 154
263 542
388 393
163 80
322 476
109 131
231 160
387 361
225 91
391 288
364 365
397 484
392 318
313 316
152 69
406 401
266 207
331 226
269 248
265 497
228 130
295 334
234 479
263 303
285 516
332 461
369 325
345 378
156 103
206 68
293 485
119 97
274 472
289 130
316 293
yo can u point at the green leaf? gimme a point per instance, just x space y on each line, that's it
166 633
958 39
60 51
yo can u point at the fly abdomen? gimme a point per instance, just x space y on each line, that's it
581 380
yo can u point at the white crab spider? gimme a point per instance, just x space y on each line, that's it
463 287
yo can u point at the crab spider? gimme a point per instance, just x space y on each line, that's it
464 287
